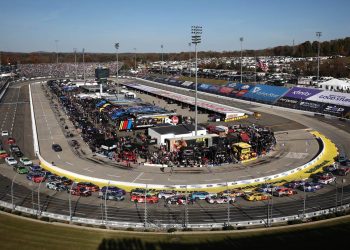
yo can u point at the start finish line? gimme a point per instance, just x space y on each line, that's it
227 111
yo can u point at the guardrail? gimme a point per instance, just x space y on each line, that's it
210 187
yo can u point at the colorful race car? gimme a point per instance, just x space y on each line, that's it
88 186
35 177
25 161
256 196
10 161
3 154
111 196
57 186
199 195
311 187
112 189
326 178
232 193
295 184
80 191
141 198
266 188
220 199
284 191
20 169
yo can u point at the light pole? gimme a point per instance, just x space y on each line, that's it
241 40
56 42
145 215
116 46
318 34
189 45
75 62
13 180
106 194
135 58
336 195
196 39
304 202
186 208
41 181
342 192
228 207
70 201
84 64
161 46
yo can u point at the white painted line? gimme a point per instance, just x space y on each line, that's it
116 176
144 179
69 163
138 176
213 180
89 170
270 171
59 157
176 180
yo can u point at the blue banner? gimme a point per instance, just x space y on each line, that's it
266 93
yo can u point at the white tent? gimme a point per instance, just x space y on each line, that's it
335 84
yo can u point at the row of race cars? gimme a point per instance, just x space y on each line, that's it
263 192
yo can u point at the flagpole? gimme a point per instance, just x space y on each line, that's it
256 61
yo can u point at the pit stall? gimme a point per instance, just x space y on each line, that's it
230 113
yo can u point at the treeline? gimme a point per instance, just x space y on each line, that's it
305 49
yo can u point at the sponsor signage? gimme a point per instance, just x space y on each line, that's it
214 89
225 90
266 93
335 110
309 105
301 93
285 100
342 99
204 86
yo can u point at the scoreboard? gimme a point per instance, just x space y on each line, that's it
101 73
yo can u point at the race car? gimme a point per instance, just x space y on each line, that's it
111 196
283 191
178 200
326 178
89 186
113 190
311 187
25 161
80 191
3 154
166 194
20 169
35 177
14 149
232 193
266 188
10 141
343 171
220 199
57 186
142 198
35 168
65 181
199 195
10 161
295 184
142 191
256 196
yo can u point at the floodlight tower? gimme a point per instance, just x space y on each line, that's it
196 39
56 42
318 34
75 62
241 40
161 46
189 45
135 58
116 46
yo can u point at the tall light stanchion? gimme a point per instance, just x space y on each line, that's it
70 202
39 209
241 40
75 62
271 208
13 180
84 65
228 207
116 46
342 192
190 62
196 39
145 215
304 201
161 46
56 42
106 195
135 58
336 195
318 34
186 208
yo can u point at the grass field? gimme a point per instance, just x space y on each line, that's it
204 80
19 233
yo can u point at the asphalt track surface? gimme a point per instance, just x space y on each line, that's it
25 193
293 150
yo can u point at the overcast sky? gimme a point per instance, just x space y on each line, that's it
34 25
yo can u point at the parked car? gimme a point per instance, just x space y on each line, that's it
56 148
4 133
57 186
220 199
10 161
79 191
254 196
25 161
142 198
3 154
20 169
284 191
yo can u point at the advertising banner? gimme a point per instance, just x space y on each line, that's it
186 83
214 89
204 86
310 106
342 99
225 90
301 93
266 93
287 102
336 110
